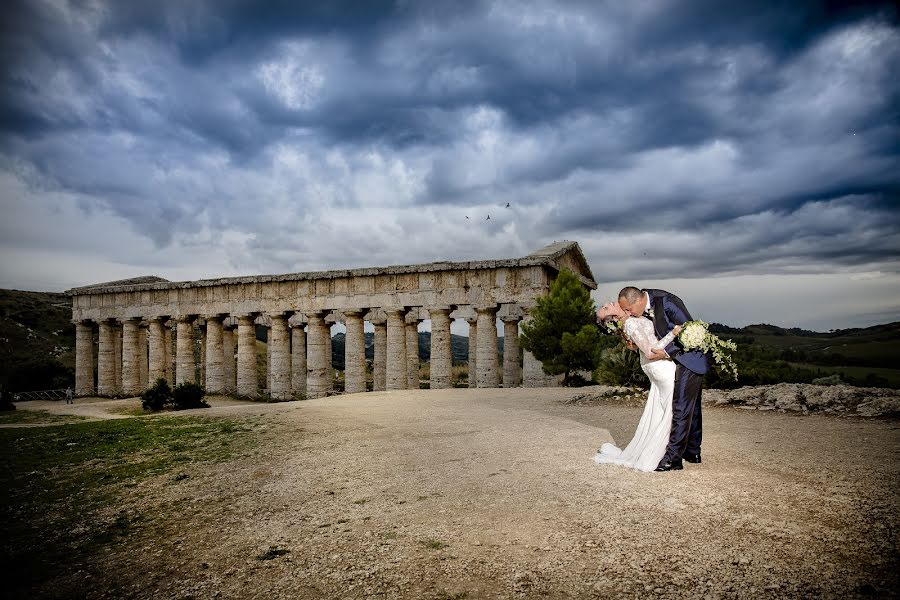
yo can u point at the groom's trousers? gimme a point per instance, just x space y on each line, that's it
687 420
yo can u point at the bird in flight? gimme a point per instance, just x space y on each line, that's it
507 205
488 218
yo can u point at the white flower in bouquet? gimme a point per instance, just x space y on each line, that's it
695 335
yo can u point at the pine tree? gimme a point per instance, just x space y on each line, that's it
562 334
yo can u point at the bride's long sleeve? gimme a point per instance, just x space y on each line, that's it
644 338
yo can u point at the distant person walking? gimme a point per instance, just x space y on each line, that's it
69 397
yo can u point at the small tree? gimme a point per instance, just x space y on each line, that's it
562 333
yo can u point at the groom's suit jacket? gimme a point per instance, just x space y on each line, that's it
669 311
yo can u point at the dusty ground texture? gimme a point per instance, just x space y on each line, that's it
492 493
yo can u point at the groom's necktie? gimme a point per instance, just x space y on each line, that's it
647 315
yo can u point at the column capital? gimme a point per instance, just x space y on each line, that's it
157 318
215 316
284 314
486 308
440 309
354 312
396 310
510 318
81 321
246 319
318 315
184 318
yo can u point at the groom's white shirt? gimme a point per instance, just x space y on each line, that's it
648 308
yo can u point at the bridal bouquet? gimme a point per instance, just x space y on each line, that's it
695 335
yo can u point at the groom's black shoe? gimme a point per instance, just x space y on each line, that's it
692 458
669 465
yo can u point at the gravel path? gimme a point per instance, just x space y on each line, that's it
493 493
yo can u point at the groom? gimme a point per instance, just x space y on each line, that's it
666 311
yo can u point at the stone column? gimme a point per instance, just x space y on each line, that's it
117 356
280 357
185 364
228 358
201 354
131 368
84 358
215 355
532 370
441 365
144 358
157 343
397 376
473 351
106 357
486 374
170 356
329 359
298 359
512 366
412 353
246 356
317 383
379 356
354 352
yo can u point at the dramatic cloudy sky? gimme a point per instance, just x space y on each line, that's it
745 155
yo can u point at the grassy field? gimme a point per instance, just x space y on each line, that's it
9 417
61 487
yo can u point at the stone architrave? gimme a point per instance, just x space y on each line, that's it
215 355
246 356
412 353
228 366
157 349
512 365
144 357
185 363
379 356
106 356
131 368
84 358
473 352
317 384
486 373
298 359
397 375
354 352
441 366
280 357
117 358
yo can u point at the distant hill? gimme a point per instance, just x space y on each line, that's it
37 342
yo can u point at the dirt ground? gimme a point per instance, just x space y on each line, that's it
493 493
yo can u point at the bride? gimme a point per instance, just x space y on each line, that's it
648 445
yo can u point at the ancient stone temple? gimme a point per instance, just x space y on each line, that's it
129 333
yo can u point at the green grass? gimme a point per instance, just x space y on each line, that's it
61 486
10 417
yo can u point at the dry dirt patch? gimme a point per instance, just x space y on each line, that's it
492 493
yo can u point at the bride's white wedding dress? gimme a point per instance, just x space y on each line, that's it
648 445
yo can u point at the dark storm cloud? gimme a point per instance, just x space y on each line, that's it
762 136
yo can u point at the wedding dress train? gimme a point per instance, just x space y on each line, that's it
648 445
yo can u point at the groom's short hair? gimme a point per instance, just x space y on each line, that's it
631 294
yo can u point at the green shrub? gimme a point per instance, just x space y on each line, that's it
621 366
189 395
157 397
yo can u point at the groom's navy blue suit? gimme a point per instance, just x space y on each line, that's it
687 421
